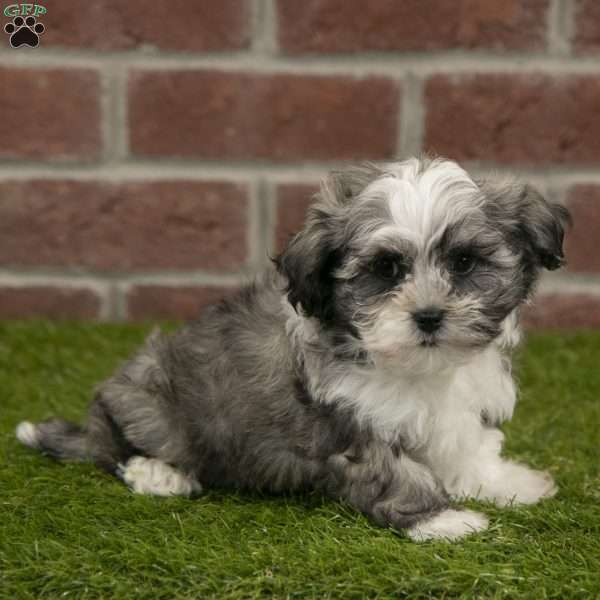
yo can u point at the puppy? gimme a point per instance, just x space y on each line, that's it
370 363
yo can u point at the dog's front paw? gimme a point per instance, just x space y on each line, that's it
448 525
518 484
526 486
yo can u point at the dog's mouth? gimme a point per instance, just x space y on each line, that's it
429 341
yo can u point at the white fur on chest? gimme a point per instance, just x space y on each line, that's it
420 409
427 412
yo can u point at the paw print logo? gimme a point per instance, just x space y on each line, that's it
24 32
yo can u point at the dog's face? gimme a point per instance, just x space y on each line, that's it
418 265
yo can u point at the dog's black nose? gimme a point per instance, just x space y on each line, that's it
429 319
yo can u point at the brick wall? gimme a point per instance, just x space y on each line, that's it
152 154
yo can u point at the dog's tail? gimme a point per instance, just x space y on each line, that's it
55 437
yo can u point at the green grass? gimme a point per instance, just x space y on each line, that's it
70 531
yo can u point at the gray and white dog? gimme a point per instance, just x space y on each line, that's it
371 363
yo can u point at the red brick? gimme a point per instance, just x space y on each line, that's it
49 114
356 25
122 227
587 26
292 202
563 311
528 119
212 115
46 301
582 242
164 302
174 25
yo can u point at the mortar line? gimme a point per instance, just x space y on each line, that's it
244 172
271 218
106 113
105 309
264 28
120 116
90 279
567 286
366 65
15 278
267 222
113 307
565 283
255 241
101 289
558 41
122 289
162 170
411 117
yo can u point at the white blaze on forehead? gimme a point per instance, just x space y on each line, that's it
422 203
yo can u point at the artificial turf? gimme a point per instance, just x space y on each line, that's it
70 531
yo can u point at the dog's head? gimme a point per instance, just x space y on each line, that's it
418 264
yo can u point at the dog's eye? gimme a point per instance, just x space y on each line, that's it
388 268
463 263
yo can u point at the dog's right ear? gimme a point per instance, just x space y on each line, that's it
312 255
308 263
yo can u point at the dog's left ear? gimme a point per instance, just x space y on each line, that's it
544 224
530 222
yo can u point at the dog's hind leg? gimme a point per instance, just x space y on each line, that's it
134 414
56 438
152 476
132 431
66 441
136 431
102 441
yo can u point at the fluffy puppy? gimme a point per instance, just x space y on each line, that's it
371 363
